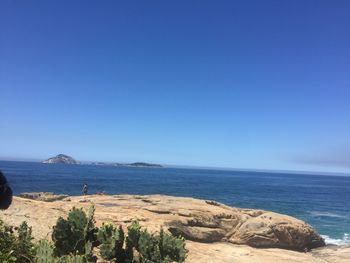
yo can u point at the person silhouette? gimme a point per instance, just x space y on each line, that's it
85 189
5 193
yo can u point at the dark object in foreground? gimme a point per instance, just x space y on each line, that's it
5 193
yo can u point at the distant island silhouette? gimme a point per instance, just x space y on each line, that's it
61 158
65 159
135 164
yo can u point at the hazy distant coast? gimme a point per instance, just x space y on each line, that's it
65 159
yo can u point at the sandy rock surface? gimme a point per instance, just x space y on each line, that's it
213 231
43 196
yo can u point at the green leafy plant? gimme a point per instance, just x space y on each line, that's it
76 237
72 259
112 241
132 240
76 234
149 248
141 246
16 243
171 247
7 257
45 254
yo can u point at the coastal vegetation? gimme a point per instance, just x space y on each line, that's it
76 239
16 244
214 232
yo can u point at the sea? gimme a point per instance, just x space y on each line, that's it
323 201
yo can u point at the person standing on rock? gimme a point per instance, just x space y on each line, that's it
85 189
5 193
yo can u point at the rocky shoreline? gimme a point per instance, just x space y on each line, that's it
214 232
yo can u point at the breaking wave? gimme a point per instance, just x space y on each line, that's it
344 241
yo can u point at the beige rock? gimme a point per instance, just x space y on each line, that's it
224 252
198 220
335 254
275 230
43 196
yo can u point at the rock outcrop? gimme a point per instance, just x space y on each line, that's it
43 196
208 221
196 220
255 228
61 158
221 230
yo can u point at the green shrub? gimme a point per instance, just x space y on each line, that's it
149 247
141 246
132 240
45 254
108 235
72 259
112 241
76 234
75 238
16 243
172 247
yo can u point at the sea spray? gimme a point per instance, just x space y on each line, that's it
344 241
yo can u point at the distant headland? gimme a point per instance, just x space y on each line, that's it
61 158
136 164
65 159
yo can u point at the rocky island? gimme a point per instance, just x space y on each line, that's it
61 158
143 164
65 159
214 232
135 164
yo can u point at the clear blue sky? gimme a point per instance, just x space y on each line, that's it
242 84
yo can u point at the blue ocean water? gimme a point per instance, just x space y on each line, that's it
322 201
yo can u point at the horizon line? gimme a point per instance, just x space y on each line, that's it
261 170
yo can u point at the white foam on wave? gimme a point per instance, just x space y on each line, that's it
339 242
326 214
